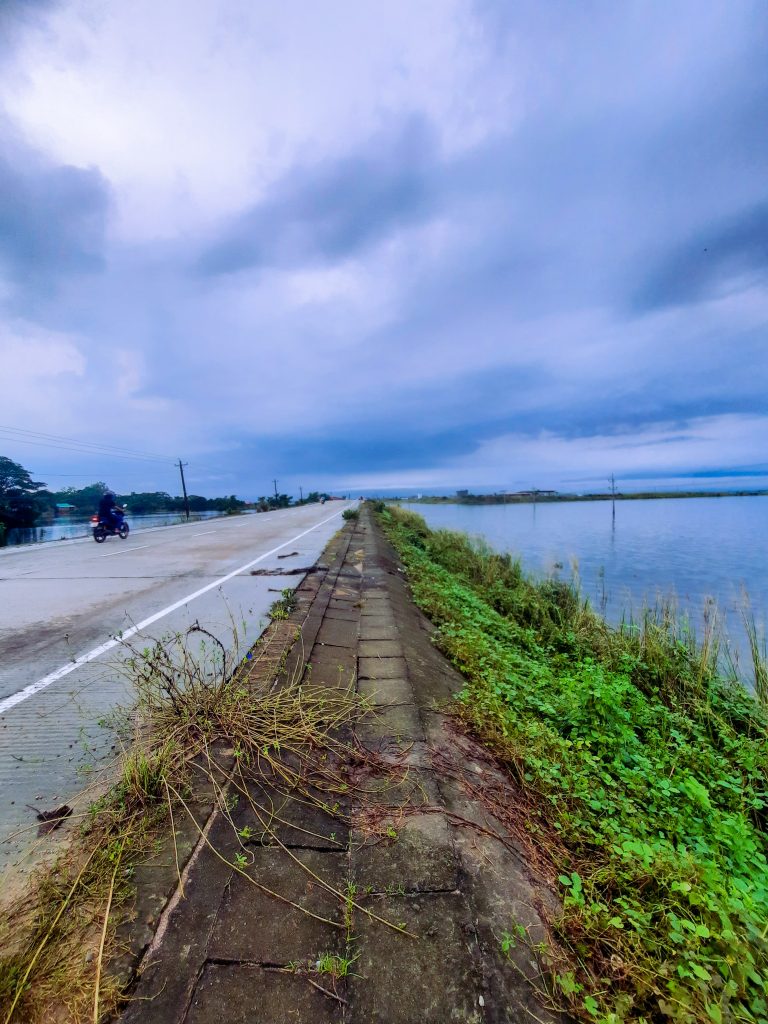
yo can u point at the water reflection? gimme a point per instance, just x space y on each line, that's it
69 527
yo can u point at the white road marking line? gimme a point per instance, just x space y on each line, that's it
204 533
46 681
134 547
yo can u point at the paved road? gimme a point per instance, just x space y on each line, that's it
62 604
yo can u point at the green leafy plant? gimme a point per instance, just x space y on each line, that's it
335 965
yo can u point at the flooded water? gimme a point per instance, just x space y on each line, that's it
687 549
67 527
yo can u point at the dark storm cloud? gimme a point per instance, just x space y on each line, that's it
52 217
368 452
335 209
719 255
756 470
442 423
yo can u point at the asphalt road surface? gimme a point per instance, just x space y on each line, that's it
63 607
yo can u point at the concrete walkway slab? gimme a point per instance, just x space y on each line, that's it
253 926
251 994
379 648
435 979
382 692
377 632
382 668
417 856
395 722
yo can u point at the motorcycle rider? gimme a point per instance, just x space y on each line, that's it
107 510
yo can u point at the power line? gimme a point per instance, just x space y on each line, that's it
61 443
57 442
86 476
100 445
74 440
82 451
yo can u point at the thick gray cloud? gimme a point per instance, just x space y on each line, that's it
720 256
52 215
52 218
337 209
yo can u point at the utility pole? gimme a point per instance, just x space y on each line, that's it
275 483
613 497
184 486
301 494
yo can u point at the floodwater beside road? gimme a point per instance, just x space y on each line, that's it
699 552
62 602
71 527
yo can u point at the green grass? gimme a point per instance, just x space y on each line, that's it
650 778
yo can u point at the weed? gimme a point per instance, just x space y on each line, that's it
350 897
334 965
757 648
395 889
511 940
285 604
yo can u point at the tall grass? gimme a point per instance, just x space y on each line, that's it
759 653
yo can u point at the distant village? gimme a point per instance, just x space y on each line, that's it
504 497
534 495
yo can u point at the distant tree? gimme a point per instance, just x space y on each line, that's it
279 500
145 502
20 503
197 503
85 499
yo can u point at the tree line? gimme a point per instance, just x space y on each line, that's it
23 501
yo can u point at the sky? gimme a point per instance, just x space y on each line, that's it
411 246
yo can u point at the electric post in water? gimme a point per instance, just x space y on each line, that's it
184 487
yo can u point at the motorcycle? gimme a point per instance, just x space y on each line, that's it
102 530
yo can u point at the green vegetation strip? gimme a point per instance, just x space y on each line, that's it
649 771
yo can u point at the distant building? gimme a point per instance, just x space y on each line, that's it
63 509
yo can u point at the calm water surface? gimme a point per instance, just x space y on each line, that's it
689 549
67 527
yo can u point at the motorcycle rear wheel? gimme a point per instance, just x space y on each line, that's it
99 534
